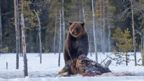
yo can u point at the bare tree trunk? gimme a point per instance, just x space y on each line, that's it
108 24
142 48
0 28
55 32
109 39
39 36
83 12
126 60
80 10
94 34
23 41
63 22
24 46
100 22
17 31
103 27
133 28
60 39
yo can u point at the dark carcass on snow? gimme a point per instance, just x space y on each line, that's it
85 67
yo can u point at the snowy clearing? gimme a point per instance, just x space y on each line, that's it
47 71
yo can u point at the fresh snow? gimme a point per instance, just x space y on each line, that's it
47 71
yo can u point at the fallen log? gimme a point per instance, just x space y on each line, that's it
85 67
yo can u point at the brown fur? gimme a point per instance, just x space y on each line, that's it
76 42
77 29
70 69
84 66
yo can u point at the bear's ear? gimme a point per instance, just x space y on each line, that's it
70 23
82 24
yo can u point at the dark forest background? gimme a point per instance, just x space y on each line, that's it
113 24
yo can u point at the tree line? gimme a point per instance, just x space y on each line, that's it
54 15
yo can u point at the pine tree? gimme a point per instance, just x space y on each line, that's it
123 41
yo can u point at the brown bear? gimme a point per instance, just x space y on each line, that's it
76 43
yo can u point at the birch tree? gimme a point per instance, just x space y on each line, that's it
55 32
133 32
23 41
39 36
60 38
108 20
24 46
94 34
63 20
103 27
17 31
100 12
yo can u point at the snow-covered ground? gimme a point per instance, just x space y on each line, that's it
47 71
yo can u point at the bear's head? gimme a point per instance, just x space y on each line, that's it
76 29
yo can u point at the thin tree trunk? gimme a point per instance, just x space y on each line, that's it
80 9
17 31
142 49
100 22
23 41
83 12
142 56
103 27
60 39
24 46
94 35
55 32
109 39
63 23
39 36
0 28
126 59
109 27
133 29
